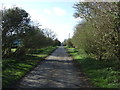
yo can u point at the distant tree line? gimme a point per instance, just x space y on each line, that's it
17 26
98 33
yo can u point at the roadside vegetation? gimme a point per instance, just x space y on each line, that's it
24 44
15 68
96 43
101 73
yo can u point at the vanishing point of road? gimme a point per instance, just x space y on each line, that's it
57 71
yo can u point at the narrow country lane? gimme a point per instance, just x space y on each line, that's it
56 71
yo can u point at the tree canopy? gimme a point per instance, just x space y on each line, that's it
17 27
98 34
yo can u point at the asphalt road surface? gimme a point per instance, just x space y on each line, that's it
57 71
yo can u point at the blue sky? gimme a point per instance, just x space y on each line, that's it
58 16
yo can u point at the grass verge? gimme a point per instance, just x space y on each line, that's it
102 74
14 70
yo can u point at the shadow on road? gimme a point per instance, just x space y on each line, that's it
56 71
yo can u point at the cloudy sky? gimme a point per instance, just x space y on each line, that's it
53 14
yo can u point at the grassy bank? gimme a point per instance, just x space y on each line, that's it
14 70
102 74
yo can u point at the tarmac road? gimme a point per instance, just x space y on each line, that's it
56 71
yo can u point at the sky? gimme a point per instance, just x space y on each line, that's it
55 15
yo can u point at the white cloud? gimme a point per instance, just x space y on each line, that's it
55 11
47 11
58 11
37 17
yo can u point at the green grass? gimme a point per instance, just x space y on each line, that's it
14 70
13 50
102 73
